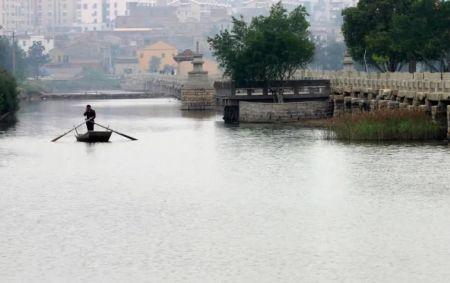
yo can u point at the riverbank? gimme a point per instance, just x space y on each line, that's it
9 102
110 94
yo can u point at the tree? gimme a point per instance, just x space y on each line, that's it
269 48
36 59
389 34
6 58
429 39
8 93
368 33
154 64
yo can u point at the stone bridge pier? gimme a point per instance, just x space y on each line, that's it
197 92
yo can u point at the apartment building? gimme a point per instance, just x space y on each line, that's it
17 15
55 15
90 15
100 14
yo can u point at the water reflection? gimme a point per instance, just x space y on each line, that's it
199 115
196 200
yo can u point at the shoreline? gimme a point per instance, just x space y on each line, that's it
100 95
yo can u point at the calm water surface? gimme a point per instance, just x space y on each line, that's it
197 201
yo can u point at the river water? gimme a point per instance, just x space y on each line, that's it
195 200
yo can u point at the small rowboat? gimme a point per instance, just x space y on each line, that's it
94 136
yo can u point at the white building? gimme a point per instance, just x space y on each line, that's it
26 41
100 14
195 10
90 15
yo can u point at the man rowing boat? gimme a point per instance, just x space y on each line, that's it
90 116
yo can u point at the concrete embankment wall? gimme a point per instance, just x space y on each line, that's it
258 112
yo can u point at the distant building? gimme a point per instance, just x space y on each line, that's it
55 15
196 10
90 15
83 52
147 16
164 52
126 61
26 41
96 15
17 15
126 66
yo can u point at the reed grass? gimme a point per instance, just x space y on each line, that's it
385 125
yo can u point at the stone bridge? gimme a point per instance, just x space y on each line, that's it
156 84
360 91
351 91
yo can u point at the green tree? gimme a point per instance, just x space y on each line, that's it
8 93
6 58
368 33
389 34
36 59
269 48
423 34
154 64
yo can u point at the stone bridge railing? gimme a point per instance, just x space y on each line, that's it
431 86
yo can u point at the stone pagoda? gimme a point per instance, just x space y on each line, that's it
197 93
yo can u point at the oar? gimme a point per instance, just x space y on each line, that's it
76 127
128 137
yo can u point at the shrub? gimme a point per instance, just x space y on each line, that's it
385 125
8 93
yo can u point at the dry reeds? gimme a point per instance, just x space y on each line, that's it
385 125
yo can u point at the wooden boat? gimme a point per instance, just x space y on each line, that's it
94 136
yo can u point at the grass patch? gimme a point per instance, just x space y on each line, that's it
386 125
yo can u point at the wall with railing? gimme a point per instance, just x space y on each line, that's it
429 83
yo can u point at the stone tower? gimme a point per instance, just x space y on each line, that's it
348 63
197 93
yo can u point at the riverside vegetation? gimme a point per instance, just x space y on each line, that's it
385 125
8 94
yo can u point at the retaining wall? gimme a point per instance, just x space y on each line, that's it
258 112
